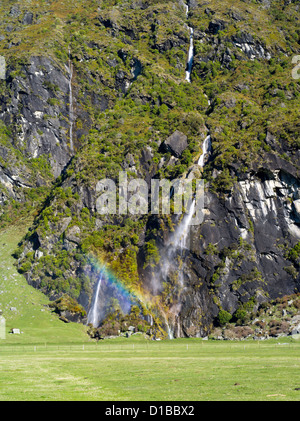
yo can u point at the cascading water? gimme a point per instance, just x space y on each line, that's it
206 147
170 333
172 259
190 56
182 230
71 113
191 51
93 315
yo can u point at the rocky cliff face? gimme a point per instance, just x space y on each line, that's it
37 108
108 94
250 230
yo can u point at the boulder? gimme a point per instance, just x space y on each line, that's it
296 330
73 234
176 143
28 18
215 26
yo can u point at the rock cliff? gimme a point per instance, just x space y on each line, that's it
106 93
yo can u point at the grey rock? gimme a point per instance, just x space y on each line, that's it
15 11
73 234
26 107
296 205
129 161
254 49
176 143
235 15
38 254
296 330
28 18
215 26
9 28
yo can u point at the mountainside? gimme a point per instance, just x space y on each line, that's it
96 88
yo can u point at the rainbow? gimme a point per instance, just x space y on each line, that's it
113 287
126 295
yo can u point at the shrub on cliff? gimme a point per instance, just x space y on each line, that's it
224 317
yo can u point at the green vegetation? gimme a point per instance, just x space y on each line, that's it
224 317
66 303
274 318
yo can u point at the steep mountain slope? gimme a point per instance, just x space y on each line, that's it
95 88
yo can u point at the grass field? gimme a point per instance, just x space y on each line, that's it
139 370
55 361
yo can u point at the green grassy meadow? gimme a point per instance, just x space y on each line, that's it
52 360
137 370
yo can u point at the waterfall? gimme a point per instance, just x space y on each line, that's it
93 315
191 51
190 56
172 260
206 147
175 249
186 10
182 231
170 333
71 114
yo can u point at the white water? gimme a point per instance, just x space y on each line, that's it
93 316
190 56
191 51
71 114
170 333
205 149
182 231
178 243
